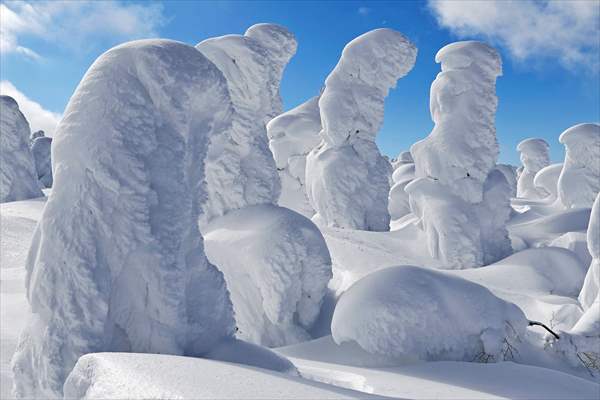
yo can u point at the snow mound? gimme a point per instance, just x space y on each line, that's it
347 179
277 267
41 155
292 135
240 169
534 156
579 180
18 178
117 262
591 287
546 179
410 313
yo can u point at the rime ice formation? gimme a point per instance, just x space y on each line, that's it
240 169
591 286
534 156
278 279
579 180
117 262
510 173
18 178
292 135
404 173
347 179
35 135
403 158
455 161
547 180
41 155
410 313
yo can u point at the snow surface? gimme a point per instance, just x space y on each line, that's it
120 222
40 149
347 179
534 156
18 178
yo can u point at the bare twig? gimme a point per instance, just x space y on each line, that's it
532 323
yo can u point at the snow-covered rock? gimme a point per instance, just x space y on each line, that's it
534 155
591 286
43 164
117 262
347 179
579 180
276 265
240 169
292 135
18 178
410 313
547 180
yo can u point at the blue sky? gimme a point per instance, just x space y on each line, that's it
550 53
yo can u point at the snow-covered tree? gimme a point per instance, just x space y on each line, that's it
117 261
35 135
347 179
591 287
41 155
18 178
404 173
547 180
510 173
579 180
240 169
534 156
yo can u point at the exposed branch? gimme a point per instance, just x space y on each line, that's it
532 323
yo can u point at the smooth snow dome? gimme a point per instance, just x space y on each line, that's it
240 169
547 180
410 313
18 178
292 135
534 155
277 266
117 262
591 286
347 179
41 155
579 181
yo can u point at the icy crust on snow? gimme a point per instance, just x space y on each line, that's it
410 313
18 178
579 180
292 135
240 169
590 292
347 179
546 179
41 155
277 266
534 156
117 262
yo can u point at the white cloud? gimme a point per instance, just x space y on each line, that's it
364 11
38 117
567 31
73 24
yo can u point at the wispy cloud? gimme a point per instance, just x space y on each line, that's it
567 31
72 24
364 11
38 117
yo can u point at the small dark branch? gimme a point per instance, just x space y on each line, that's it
532 323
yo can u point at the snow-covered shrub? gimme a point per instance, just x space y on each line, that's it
276 265
347 179
240 169
410 313
292 135
117 261
18 178
41 155
456 161
534 156
547 180
579 180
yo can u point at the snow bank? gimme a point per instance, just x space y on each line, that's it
411 313
292 135
117 262
534 156
347 179
579 180
277 267
240 169
547 180
591 287
18 178
41 155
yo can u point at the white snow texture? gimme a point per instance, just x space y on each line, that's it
590 292
117 260
534 156
40 148
347 179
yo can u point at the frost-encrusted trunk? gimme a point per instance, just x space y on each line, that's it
18 177
117 261
347 179
534 156
292 135
456 161
240 169
43 164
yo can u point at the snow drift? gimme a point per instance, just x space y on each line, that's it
117 262
534 156
347 179
18 178
43 164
